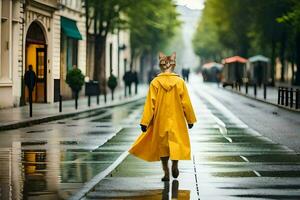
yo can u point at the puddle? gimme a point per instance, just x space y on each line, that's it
69 142
224 159
234 174
88 115
98 132
33 143
291 173
39 131
284 158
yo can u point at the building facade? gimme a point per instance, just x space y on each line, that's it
10 51
50 36
70 44
39 33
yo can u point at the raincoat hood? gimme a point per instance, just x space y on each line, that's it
167 80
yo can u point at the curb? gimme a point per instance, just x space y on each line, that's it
30 122
263 101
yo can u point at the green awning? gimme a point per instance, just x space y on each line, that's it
69 28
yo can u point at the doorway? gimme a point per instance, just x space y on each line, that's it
36 55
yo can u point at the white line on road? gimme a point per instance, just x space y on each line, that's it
257 173
244 158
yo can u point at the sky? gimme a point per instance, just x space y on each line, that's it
192 4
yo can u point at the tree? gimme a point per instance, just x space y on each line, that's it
103 17
292 20
75 80
152 25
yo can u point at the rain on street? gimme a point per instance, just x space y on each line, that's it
230 160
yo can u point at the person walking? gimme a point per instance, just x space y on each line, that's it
167 114
30 81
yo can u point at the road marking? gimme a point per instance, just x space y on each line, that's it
196 178
244 158
257 173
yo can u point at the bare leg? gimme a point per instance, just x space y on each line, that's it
175 171
164 161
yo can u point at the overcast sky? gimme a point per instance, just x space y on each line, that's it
193 4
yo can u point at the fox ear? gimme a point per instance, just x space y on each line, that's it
173 56
161 55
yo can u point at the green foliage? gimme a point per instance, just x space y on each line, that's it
152 25
249 27
75 79
112 82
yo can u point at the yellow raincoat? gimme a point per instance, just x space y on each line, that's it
167 111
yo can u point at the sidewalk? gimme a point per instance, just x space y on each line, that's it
12 118
271 95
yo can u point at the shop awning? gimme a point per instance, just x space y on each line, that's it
259 58
211 65
70 29
234 59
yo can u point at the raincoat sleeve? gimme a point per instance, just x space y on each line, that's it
187 106
149 106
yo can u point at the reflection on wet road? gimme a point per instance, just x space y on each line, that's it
230 161
53 160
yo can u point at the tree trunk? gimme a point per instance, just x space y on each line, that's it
297 78
273 62
282 56
99 66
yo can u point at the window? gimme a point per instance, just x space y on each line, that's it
72 53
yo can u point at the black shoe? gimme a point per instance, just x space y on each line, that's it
165 178
175 172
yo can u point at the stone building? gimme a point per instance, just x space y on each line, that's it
51 36
11 52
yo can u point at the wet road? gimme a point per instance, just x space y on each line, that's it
229 159
53 160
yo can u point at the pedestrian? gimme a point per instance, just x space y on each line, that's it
127 78
187 74
183 72
135 81
30 79
167 111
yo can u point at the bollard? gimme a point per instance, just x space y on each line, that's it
60 103
105 97
246 88
282 95
255 89
97 99
76 100
286 96
239 85
265 91
291 97
89 100
297 98
30 103
278 97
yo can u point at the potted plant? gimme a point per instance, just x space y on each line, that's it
75 80
112 84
